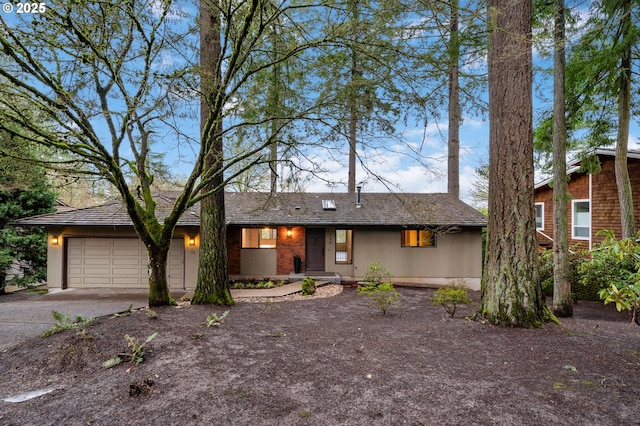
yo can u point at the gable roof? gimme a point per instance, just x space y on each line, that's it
574 165
289 209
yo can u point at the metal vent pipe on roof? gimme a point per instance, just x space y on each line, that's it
358 197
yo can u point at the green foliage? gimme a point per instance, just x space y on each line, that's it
308 286
377 274
619 263
379 289
586 289
64 322
214 320
450 296
28 246
383 296
135 352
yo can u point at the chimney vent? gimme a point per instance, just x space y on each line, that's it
358 199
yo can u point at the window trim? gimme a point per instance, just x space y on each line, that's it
274 231
349 245
573 220
541 228
418 245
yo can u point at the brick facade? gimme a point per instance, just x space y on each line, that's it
288 247
605 208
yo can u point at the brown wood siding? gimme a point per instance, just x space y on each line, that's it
605 208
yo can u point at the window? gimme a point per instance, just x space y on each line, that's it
581 220
259 238
418 238
539 215
344 239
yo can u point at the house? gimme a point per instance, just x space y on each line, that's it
427 239
593 204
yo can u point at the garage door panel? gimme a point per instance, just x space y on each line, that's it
117 262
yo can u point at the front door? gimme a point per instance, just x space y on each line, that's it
315 250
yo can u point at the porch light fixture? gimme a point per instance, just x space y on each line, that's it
54 240
289 232
192 241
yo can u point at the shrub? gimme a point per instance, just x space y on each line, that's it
620 261
377 275
379 289
450 296
308 286
383 296
581 291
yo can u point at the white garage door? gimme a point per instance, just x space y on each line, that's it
117 262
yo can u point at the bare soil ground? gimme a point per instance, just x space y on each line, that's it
326 361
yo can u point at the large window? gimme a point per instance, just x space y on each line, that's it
344 240
259 237
540 216
418 238
581 229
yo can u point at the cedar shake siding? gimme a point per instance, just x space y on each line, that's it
601 191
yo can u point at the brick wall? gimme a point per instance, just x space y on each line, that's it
288 247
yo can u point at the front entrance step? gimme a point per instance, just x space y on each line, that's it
330 277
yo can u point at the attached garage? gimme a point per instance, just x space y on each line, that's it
117 262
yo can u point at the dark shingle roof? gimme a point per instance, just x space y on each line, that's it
288 209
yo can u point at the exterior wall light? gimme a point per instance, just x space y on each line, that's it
289 232
55 240
192 241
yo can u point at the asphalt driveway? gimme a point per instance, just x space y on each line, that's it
26 314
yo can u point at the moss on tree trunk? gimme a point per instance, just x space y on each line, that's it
158 283
213 272
512 294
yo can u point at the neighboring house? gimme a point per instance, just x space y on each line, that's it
593 202
420 238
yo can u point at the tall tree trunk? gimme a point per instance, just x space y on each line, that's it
623 182
562 303
353 96
511 294
212 286
453 166
158 282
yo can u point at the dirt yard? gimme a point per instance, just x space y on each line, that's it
330 361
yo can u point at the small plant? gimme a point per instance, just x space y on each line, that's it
64 322
215 320
377 275
451 296
383 296
151 314
379 288
308 286
135 352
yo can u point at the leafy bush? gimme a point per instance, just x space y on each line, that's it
450 296
619 263
383 296
377 275
379 289
587 290
308 286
